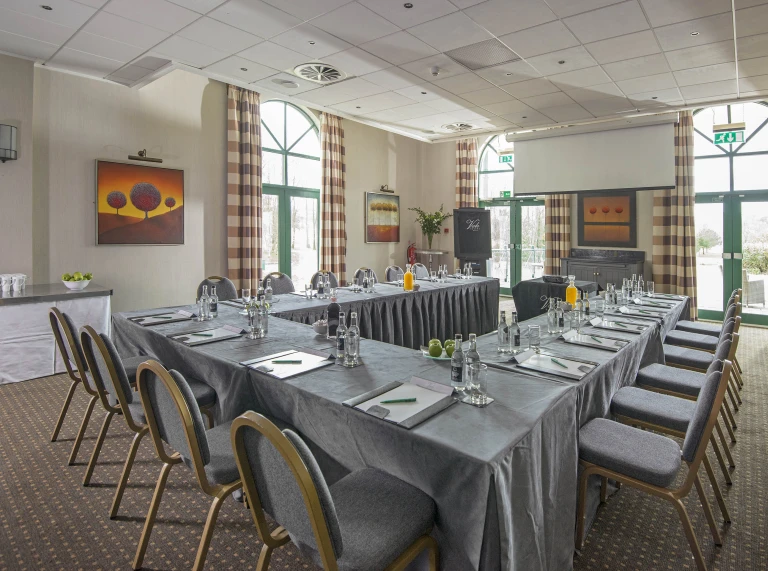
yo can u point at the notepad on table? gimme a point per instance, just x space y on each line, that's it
208 336
289 363
157 319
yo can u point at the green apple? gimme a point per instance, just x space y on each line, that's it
78 276
88 276
435 349
66 277
435 342
449 349
449 342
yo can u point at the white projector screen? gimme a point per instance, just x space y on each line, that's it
640 158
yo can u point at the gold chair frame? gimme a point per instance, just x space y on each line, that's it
218 492
674 496
279 536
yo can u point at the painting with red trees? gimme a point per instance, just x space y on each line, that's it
129 200
607 219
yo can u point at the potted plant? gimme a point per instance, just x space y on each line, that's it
430 222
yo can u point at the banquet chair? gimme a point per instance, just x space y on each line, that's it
65 333
331 276
174 418
225 288
708 328
650 462
360 273
366 520
419 271
281 283
390 274
116 395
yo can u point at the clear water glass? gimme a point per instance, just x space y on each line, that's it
246 294
534 337
458 273
253 322
334 297
400 278
433 276
477 383
599 306
649 285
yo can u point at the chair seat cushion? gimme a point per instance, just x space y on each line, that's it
131 365
222 468
642 455
379 516
137 412
204 394
658 409
672 379
687 357
688 339
713 329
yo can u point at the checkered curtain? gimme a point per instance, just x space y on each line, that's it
467 195
333 241
243 187
674 232
557 213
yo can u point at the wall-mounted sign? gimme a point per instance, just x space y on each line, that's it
506 158
505 194
728 137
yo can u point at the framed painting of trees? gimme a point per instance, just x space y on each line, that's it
139 204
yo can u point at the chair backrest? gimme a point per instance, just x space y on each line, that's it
281 283
281 477
331 276
705 414
225 288
65 333
420 271
174 417
722 352
360 273
390 274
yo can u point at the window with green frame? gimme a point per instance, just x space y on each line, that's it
495 176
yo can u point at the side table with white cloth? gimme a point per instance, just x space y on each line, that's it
27 346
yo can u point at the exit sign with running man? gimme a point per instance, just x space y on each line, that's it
728 137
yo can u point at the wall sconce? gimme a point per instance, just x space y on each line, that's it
7 143
142 156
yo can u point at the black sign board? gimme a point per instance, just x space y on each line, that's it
472 233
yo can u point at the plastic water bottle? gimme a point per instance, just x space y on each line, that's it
214 302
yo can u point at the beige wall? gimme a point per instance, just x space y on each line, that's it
16 82
440 188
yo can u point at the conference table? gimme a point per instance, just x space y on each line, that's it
531 295
504 477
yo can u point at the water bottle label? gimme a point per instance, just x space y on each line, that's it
517 339
214 307
456 374
340 345
561 321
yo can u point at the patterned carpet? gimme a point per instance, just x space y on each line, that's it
48 520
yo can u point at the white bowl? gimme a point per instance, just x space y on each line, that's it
320 327
82 284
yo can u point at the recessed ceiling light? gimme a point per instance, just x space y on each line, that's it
311 42
423 92
525 117
408 5
508 74
694 33
44 7
561 62
654 97
243 69
358 107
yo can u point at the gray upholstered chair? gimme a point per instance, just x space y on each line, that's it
701 341
419 271
366 520
331 276
390 274
650 462
709 328
281 283
360 273
174 419
225 288
113 384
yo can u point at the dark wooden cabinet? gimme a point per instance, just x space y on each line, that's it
603 266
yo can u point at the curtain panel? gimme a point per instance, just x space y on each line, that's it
674 231
243 187
333 234
557 228
467 195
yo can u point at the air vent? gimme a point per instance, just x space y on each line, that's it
319 73
458 127
482 54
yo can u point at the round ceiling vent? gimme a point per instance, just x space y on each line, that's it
458 127
319 73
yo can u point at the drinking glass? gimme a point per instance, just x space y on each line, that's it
458 273
308 291
477 384
246 293
599 307
534 337
433 275
333 295
650 288
468 270
253 322
400 278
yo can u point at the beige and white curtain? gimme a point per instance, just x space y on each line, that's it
243 187
467 194
557 228
674 231
333 234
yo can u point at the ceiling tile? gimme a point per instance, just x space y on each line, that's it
131 72
218 35
487 96
611 21
503 17
355 61
538 86
565 113
702 90
707 31
548 100
103 47
65 12
608 106
753 83
123 30
95 3
649 83
565 8
752 21
507 73
527 118
664 12
462 83
34 28
306 9
233 67
274 55
394 78
423 67
84 63
637 67
151 62
580 78
373 103
255 17
189 52
624 47
403 113
423 92
506 108
449 32
719 52
572 58
399 48
274 83
355 24
156 13
753 46
752 67
27 47
595 93
540 40
706 74
449 103
199 6
422 11
660 96
344 91
310 41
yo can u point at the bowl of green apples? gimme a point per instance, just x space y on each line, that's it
77 280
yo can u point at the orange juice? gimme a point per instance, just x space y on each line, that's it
571 292
408 279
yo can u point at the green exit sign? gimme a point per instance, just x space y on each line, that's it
506 158
727 137
505 194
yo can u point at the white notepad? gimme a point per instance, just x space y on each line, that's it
208 336
426 393
309 361
159 318
541 362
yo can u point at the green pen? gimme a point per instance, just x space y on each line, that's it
558 362
396 401
203 334
648 312
160 317
596 339
287 361
617 324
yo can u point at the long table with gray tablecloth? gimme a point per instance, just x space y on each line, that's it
409 319
504 478
531 295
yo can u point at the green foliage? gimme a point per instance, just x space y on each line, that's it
707 238
431 222
755 260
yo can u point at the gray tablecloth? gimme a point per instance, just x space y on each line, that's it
504 478
409 319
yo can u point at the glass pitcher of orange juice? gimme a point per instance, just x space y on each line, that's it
571 291
408 278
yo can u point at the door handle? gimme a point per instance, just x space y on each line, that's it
737 256
727 256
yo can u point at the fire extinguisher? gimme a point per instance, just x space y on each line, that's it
411 253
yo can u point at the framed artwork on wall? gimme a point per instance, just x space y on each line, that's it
382 217
608 219
139 204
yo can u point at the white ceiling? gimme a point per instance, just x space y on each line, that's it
554 61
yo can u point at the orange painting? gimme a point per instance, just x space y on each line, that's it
138 204
607 219
382 217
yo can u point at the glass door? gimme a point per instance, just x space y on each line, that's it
529 214
750 255
713 266
501 245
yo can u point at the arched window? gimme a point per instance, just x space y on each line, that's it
731 212
495 176
290 168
